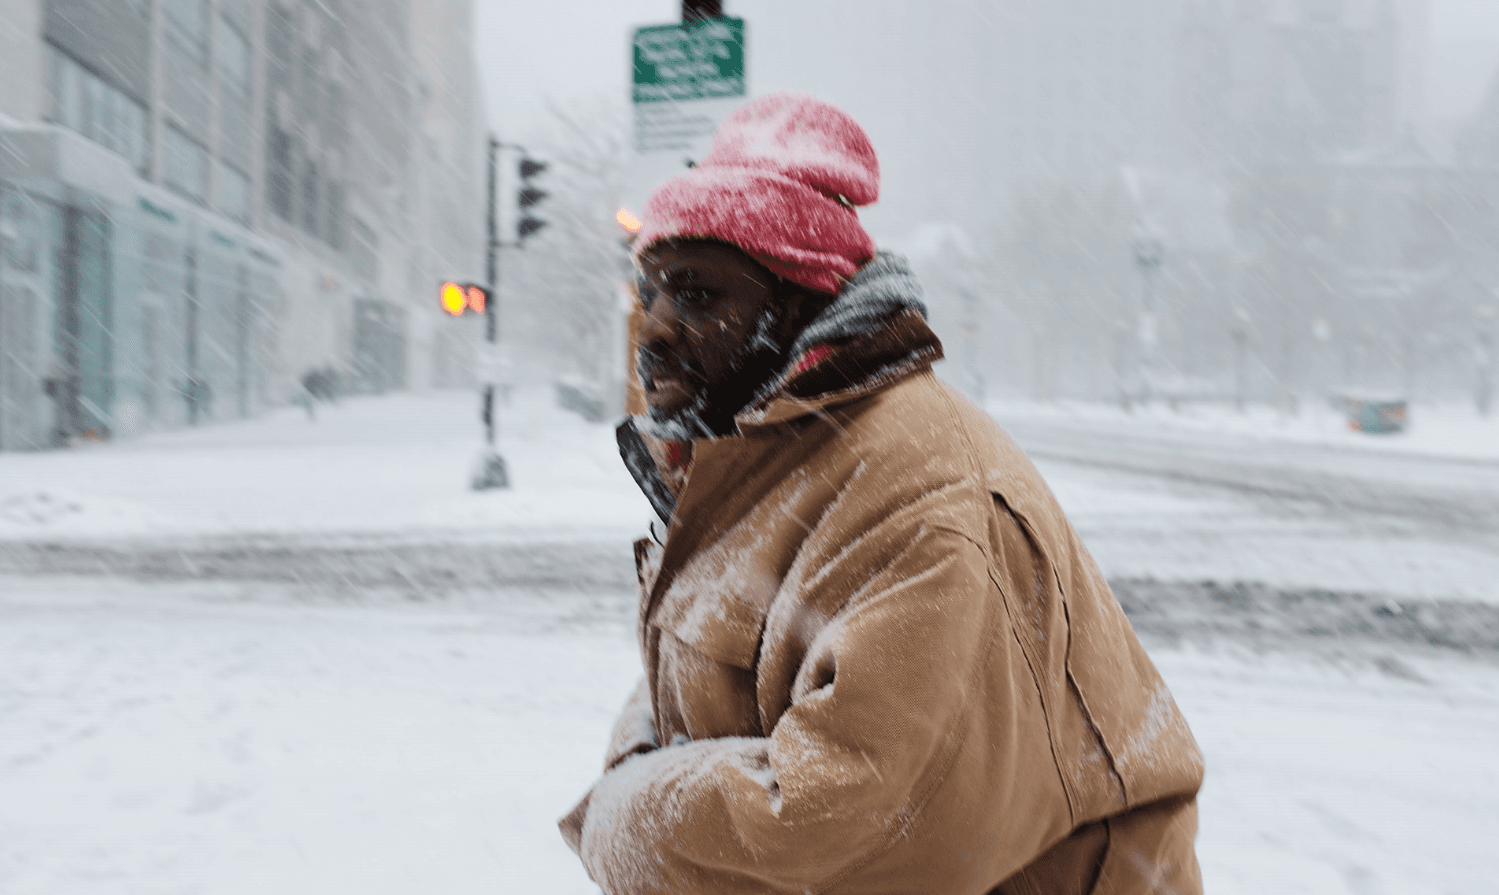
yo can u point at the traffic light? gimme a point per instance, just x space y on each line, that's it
627 219
528 197
458 299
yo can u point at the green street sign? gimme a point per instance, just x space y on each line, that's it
698 60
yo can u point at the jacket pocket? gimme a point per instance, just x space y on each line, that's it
718 602
723 627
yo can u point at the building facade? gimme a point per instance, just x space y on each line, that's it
1276 82
203 200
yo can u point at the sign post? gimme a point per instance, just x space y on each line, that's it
687 79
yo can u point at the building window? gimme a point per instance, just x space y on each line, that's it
233 194
334 120
278 174
187 25
234 59
334 227
310 83
186 164
84 103
310 190
365 249
278 40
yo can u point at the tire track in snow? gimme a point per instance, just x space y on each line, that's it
1450 498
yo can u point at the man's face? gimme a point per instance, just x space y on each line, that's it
712 334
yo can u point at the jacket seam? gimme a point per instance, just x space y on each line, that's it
1047 710
955 736
1082 699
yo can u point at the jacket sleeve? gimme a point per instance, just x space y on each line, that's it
634 733
634 730
874 722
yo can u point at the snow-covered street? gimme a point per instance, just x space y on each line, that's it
1293 502
295 656
222 738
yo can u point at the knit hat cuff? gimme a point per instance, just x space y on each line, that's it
795 231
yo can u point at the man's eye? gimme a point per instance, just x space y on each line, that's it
646 291
694 298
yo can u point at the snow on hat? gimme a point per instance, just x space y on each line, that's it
782 182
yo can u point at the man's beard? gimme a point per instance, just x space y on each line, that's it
711 411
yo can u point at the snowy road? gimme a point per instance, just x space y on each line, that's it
1350 515
247 738
1453 498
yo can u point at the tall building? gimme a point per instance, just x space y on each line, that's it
1084 87
1275 82
203 200
452 165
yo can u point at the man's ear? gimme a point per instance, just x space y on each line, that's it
800 306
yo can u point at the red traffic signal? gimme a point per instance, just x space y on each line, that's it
457 299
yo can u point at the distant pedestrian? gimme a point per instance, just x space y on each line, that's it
321 383
877 656
199 396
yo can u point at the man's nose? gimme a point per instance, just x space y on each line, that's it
663 324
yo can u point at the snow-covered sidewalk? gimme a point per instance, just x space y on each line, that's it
222 739
395 464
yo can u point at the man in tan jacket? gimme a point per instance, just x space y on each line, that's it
877 658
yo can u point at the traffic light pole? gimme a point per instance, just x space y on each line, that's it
491 472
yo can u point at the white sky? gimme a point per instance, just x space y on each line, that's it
576 50
1465 51
566 51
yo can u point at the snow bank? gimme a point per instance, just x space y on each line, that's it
398 463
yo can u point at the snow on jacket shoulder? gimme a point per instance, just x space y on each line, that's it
878 659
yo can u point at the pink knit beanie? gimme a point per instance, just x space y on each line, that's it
782 182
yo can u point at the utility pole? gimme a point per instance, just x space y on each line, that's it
699 10
491 472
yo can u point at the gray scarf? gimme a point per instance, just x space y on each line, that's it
879 291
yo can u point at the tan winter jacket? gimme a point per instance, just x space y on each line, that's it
878 660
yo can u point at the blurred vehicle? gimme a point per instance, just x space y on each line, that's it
1374 414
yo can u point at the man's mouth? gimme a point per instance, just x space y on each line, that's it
668 380
667 388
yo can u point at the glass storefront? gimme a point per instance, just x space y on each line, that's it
127 313
30 233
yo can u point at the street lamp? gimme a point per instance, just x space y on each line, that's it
1149 254
1483 394
1322 333
1241 358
